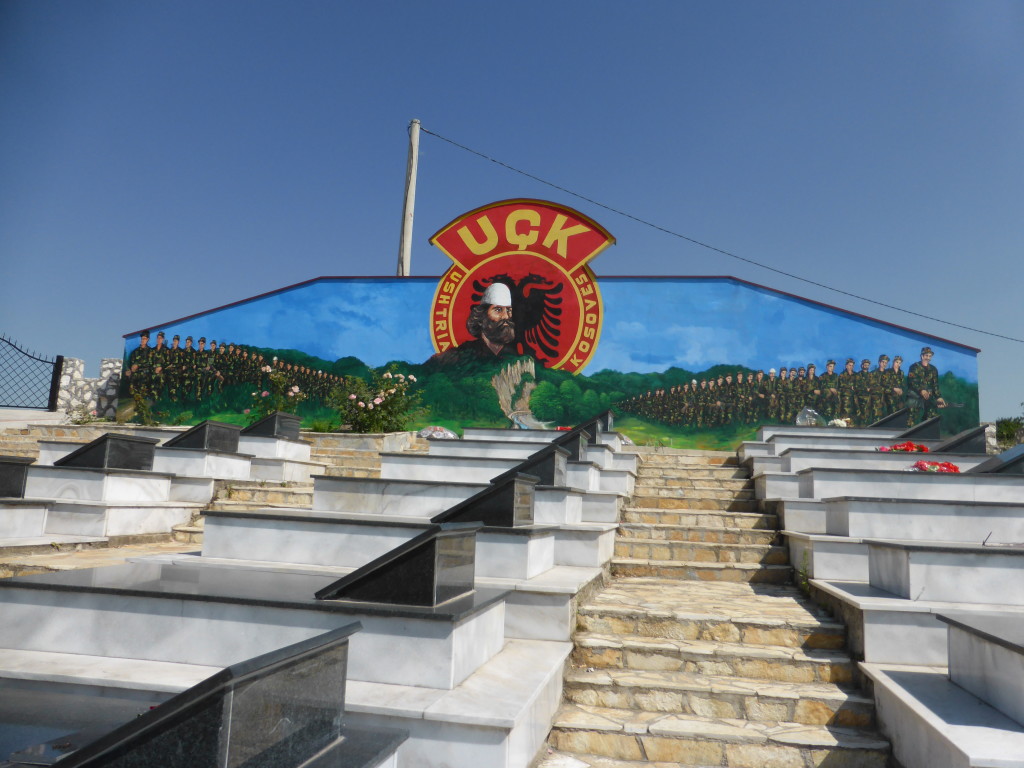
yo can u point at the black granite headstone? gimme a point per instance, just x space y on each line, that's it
276 710
277 424
113 451
430 569
926 430
894 419
575 441
13 474
548 465
1009 462
505 505
968 441
208 436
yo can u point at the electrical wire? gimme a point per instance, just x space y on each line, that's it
712 247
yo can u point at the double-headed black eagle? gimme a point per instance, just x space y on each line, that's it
536 312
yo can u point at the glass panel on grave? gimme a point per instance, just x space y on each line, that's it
289 715
456 565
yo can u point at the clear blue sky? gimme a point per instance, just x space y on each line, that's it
159 159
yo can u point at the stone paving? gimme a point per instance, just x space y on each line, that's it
677 663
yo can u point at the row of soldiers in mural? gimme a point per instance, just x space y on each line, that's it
860 397
199 373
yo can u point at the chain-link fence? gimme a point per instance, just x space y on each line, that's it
27 380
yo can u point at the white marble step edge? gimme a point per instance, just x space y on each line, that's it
934 723
101 671
496 695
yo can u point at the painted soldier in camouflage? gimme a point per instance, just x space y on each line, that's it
923 384
846 391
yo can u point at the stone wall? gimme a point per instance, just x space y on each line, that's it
80 396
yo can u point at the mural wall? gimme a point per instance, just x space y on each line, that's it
522 332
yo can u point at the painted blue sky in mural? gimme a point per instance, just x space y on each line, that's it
650 324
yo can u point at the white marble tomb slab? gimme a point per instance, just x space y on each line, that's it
830 483
557 505
96 484
21 518
770 430
804 515
274 447
828 557
284 470
869 443
510 435
588 545
776 485
192 489
299 539
516 555
965 521
389 649
110 518
499 718
490 449
795 459
359 495
200 463
462 469
985 658
933 723
52 450
947 572
584 475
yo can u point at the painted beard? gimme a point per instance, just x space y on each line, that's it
500 331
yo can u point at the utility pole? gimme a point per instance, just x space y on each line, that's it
409 206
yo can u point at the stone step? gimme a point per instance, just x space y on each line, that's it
187 534
351 471
191 532
711 628
700 493
719 696
27 450
704 518
762 615
355 458
685 460
700 552
774 663
703 571
720 472
718 535
689 740
691 487
266 494
726 502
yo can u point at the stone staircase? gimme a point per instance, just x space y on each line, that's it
699 652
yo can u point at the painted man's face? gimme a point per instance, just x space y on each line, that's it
498 325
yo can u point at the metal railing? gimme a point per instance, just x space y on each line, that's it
28 380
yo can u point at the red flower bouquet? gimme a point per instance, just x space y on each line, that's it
907 447
935 466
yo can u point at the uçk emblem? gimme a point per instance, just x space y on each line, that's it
519 285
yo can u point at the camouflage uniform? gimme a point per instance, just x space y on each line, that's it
922 378
844 384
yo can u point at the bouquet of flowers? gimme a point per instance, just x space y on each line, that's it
907 447
934 466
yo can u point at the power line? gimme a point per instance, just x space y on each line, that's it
710 247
